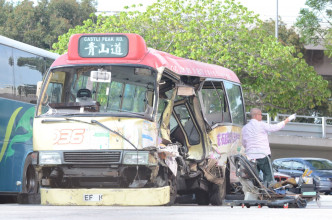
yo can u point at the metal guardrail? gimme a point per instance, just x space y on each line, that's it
303 126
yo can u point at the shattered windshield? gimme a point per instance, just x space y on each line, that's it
96 89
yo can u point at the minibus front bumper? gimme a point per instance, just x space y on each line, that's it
106 196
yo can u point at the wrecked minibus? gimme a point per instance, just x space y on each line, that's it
118 123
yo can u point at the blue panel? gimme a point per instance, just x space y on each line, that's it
16 120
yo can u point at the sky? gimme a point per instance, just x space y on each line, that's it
288 10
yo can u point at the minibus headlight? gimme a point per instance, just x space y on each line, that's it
49 158
133 158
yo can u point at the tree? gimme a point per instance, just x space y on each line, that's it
315 26
222 33
315 23
286 36
5 10
21 18
40 25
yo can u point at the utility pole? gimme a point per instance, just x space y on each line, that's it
276 25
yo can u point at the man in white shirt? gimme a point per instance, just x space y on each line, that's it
256 143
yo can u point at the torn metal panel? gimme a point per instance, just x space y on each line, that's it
164 128
214 172
170 152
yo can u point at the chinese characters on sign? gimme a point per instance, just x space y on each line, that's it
103 46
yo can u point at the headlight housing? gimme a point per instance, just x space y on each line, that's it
136 157
49 158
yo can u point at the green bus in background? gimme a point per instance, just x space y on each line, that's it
21 67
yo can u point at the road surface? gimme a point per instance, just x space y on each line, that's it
181 212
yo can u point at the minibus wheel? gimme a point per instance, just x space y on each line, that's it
29 194
202 197
218 193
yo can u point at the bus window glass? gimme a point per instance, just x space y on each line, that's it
235 102
48 63
114 99
29 69
125 92
172 123
55 91
6 72
187 123
134 98
214 102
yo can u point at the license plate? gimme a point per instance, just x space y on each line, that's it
308 193
92 197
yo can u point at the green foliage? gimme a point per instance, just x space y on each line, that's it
41 24
286 36
315 26
315 23
222 33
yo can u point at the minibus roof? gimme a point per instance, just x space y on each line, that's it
139 54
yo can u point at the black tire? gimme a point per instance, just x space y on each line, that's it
300 203
29 182
202 197
219 192
30 193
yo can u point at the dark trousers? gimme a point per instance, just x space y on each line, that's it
263 165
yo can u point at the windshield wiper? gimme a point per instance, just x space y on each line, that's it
62 120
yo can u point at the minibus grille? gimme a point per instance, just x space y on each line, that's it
92 157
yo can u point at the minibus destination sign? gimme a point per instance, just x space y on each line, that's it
100 46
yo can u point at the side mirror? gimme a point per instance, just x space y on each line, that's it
39 85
